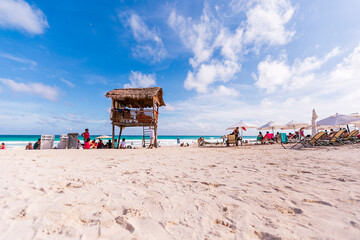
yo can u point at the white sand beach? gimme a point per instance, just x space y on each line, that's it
249 192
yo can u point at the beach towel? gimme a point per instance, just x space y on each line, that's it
284 138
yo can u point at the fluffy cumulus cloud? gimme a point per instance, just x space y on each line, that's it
140 80
203 38
266 21
218 47
277 74
336 89
149 45
38 89
20 15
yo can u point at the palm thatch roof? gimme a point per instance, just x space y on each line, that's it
137 97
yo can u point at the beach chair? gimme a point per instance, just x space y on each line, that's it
284 139
314 141
230 140
268 138
351 138
334 139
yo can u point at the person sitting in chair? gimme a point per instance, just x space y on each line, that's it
236 132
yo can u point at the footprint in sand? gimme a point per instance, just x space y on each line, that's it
154 208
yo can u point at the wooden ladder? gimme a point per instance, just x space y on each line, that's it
146 136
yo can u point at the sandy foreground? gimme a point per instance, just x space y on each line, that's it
249 192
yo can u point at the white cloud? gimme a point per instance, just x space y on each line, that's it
38 89
203 38
32 64
329 92
19 15
70 84
140 80
150 44
218 47
266 22
277 74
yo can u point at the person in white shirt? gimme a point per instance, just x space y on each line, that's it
123 144
152 137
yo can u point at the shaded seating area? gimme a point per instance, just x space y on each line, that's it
136 107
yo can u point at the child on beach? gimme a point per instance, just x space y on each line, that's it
29 146
3 147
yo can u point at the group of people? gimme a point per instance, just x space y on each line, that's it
31 146
88 144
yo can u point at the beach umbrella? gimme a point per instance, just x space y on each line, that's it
320 127
313 123
103 136
241 124
294 125
271 126
337 120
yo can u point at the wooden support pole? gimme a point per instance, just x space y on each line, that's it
155 131
118 146
113 136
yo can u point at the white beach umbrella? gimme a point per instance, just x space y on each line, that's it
103 136
241 124
337 120
271 126
294 125
320 127
313 123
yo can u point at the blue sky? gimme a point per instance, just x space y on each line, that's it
218 62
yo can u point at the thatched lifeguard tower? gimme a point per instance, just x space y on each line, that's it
135 107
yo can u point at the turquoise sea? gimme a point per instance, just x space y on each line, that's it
20 141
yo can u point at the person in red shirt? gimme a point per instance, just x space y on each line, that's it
86 135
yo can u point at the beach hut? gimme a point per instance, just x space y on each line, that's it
136 107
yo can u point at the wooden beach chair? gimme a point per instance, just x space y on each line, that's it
230 140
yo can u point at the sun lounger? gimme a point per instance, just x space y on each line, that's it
351 138
314 141
335 139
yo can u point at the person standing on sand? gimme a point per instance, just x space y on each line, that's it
87 144
86 135
152 137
